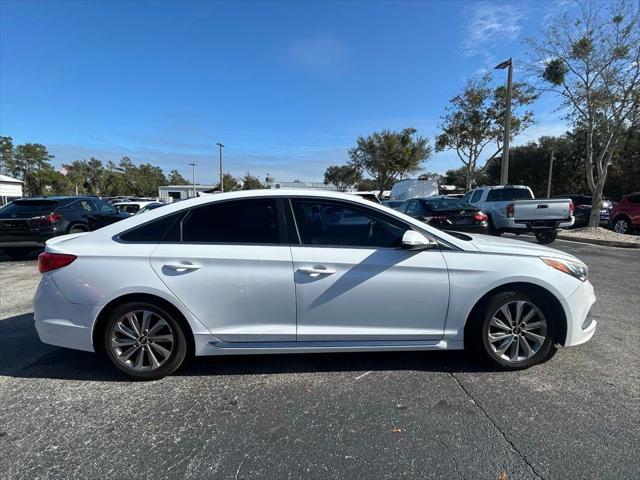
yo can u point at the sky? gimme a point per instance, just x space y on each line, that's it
286 86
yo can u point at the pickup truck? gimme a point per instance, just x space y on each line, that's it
513 209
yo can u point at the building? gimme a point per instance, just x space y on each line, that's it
10 188
172 193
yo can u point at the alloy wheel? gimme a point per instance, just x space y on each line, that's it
621 226
142 340
517 331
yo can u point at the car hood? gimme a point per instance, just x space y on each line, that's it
509 246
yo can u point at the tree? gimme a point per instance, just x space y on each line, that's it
475 120
249 182
231 183
6 154
29 161
342 176
593 63
147 179
175 178
387 156
77 174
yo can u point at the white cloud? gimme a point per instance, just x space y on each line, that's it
319 52
490 23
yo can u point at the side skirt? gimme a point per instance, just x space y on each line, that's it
207 345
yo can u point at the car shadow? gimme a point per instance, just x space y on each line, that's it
32 255
23 356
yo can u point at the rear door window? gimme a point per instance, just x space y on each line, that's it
476 196
250 221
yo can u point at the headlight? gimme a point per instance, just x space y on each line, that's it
577 270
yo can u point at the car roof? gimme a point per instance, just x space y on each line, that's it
56 198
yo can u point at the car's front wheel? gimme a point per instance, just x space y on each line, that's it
513 331
144 341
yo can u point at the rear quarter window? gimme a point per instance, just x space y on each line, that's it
164 229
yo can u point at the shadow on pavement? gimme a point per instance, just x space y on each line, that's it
23 355
32 255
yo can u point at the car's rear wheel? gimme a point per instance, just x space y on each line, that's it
621 225
144 341
17 253
78 229
546 236
491 228
514 331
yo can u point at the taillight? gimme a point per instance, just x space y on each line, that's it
510 210
53 217
480 217
570 207
52 261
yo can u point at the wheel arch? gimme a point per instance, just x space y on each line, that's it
560 319
103 315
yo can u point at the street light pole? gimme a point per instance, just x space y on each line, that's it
221 175
504 171
193 174
550 173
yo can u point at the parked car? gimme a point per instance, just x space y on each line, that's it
150 206
512 208
131 207
625 216
446 213
275 271
582 209
28 223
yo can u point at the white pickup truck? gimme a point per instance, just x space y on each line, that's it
513 208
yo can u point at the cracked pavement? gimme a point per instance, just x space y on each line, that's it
67 414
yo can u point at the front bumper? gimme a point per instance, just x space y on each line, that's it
578 309
60 322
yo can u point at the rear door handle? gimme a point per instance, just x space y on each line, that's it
182 267
316 270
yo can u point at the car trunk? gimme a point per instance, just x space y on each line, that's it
463 216
24 215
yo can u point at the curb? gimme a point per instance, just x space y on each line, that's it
606 243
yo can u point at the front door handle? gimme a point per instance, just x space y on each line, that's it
316 270
182 267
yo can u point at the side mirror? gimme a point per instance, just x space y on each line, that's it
412 240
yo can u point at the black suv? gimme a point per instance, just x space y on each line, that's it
27 223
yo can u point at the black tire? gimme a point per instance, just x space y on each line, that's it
621 225
546 236
78 228
179 346
477 333
492 230
17 253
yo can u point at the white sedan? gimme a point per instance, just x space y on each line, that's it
287 271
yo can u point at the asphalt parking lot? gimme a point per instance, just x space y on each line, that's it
68 414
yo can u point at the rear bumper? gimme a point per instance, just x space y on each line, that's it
60 322
26 239
533 225
579 312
